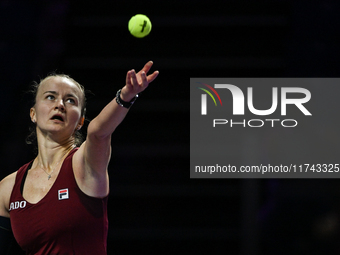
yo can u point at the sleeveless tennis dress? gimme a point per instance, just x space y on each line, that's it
65 221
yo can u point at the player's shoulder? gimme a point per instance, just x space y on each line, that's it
8 181
6 187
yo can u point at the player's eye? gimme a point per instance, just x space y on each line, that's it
50 97
71 101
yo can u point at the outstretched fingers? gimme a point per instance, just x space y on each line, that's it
137 82
146 69
152 76
133 78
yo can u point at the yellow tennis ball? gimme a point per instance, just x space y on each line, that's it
139 25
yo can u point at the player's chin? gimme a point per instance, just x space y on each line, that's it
57 126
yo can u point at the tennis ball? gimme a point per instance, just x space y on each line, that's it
139 26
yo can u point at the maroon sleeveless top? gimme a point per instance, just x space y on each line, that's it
65 221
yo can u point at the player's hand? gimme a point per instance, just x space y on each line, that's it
137 82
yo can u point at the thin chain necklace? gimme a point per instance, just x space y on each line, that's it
49 175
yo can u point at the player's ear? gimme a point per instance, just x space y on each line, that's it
32 115
81 123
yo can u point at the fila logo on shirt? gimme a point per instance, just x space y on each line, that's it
17 205
63 194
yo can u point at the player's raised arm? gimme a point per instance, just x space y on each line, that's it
95 153
113 114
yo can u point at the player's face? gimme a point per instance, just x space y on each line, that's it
58 106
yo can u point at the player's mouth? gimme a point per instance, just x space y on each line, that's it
58 117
